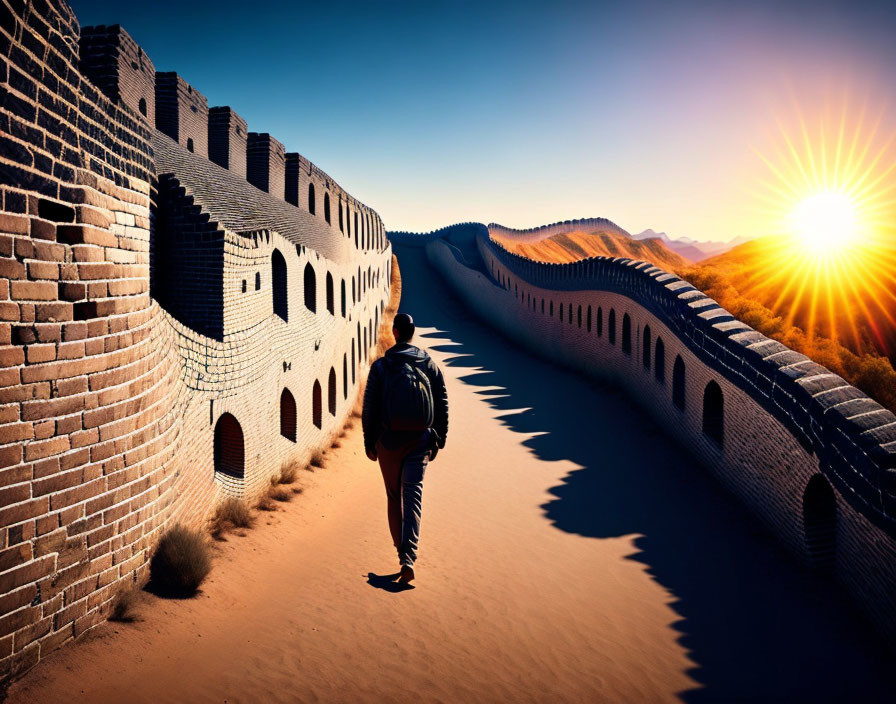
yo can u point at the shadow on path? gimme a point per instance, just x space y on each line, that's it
388 583
756 626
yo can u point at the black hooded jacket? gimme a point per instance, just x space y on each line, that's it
372 415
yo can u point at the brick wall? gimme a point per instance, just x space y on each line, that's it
112 61
227 139
266 163
768 453
125 330
182 112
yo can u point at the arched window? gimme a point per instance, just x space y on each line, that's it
364 348
258 281
142 106
317 405
341 226
342 291
353 360
659 361
600 321
189 144
327 207
311 204
287 415
344 376
678 395
714 412
645 348
626 333
588 325
331 392
356 228
611 326
354 295
552 309
278 285
579 316
542 306
561 312
820 524
331 304
230 453
310 288
244 286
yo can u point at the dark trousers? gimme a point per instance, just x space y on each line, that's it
403 469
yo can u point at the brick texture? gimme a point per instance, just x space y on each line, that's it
152 302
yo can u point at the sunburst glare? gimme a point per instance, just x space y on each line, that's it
829 264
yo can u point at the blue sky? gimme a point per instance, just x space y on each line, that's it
525 113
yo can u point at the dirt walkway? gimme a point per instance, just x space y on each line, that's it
569 553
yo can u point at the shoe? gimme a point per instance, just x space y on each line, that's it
407 574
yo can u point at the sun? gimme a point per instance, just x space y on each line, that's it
825 222
825 254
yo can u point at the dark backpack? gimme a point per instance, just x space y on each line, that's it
407 396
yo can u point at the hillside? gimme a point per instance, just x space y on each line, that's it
842 326
576 245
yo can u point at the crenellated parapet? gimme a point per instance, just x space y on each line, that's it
811 456
170 334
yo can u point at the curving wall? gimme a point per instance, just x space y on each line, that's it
170 334
810 455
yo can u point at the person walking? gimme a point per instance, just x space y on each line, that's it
405 424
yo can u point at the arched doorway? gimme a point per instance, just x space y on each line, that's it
820 524
229 451
714 412
288 415
310 288
278 285
331 392
317 405
678 387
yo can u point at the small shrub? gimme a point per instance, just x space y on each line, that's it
288 473
317 459
279 493
232 512
336 443
180 563
123 606
265 504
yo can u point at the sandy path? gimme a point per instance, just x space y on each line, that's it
569 553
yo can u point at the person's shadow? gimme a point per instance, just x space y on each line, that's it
388 582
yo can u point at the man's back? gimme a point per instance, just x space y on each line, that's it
373 418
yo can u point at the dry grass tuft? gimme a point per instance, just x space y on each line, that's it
123 606
279 493
317 459
265 504
288 473
297 490
181 561
231 513
336 443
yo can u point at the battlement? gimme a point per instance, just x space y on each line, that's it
774 427
182 112
112 61
266 164
228 136
171 334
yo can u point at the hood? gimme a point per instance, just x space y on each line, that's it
406 352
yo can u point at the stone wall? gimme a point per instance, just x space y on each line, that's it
151 302
782 423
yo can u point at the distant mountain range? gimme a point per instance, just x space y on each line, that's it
582 244
690 249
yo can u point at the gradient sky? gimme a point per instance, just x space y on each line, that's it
526 113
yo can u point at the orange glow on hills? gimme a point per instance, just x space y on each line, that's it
829 264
